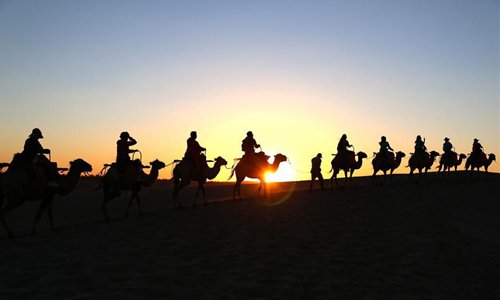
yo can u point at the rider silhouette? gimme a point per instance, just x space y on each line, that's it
316 171
420 146
33 153
342 148
193 152
248 145
123 149
384 148
477 150
448 149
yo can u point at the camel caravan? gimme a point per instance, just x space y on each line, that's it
32 176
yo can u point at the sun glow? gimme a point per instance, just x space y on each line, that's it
284 173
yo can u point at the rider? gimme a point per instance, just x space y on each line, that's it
477 149
248 145
385 147
420 146
33 153
342 148
193 152
316 171
448 149
123 150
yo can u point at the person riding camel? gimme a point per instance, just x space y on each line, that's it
420 147
193 152
448 150
33 153
123 150
477 150
384 148
248 145
342 149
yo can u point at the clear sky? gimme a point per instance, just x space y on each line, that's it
296 73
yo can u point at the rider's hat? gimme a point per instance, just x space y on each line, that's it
476 140
319 155
193 134
36 133
249 133
344 136
446 139
383 137
124 135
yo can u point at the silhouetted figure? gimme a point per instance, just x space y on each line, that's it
123 150
385 149
194 151
449 154
477 150
342 150
248 145
420 147
33 154
316 171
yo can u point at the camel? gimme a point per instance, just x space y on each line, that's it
183 175
255 167
475 162
113 183
446 163
18 186
423 162
384 165
338 163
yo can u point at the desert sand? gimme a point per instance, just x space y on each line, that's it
436 239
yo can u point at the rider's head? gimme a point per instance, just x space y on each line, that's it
446 139
36 133
419 137
383 138
476 140
319 155
193 134
344 136
124 135
250 134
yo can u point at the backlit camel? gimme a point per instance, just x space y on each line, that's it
114 182
385 164
255 167
347 165
183 175
19 184
422 162
447 162
477 162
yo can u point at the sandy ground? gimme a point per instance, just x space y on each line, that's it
437 239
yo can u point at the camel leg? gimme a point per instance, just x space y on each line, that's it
196 195
50 214
104 210
374 177
346 178
385 176
331 182
139 204
204 195
9 232
390 175
130 203
43 206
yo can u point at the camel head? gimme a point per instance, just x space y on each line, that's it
280 158
361 155
400 154
492 157
80 165
433 154
462 156
220 161
156 164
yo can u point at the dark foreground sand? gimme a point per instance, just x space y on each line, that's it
438 239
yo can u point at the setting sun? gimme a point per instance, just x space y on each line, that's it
284 173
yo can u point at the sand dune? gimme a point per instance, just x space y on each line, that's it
437 239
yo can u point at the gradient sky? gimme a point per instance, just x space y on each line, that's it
296 73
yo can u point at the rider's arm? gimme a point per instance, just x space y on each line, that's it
131 141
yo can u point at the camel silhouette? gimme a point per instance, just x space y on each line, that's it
479 161
385 164
446 162
255 167
183 174
19 186
421 162
113 183
347 165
